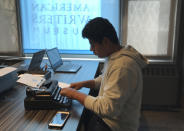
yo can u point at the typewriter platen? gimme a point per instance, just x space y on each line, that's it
46 97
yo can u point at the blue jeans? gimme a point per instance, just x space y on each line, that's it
97 124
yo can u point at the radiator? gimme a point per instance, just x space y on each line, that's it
160 86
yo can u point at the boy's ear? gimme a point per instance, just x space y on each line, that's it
105 41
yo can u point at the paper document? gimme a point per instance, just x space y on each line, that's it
63 85
31 80
6 70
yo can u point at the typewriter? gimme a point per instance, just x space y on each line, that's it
46 97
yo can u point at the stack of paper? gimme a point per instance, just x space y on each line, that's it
63 85
31 80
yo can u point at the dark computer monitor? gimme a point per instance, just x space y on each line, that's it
36 60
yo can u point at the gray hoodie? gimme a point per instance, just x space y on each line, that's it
119 100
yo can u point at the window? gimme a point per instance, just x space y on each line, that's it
58 23
149 26
8 25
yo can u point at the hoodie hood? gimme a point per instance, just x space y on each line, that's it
133 53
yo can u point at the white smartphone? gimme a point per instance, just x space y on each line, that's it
59 119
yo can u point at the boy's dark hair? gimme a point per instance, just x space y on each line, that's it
98 28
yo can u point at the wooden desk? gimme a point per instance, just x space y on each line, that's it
14 117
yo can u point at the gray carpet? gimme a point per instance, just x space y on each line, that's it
162 120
